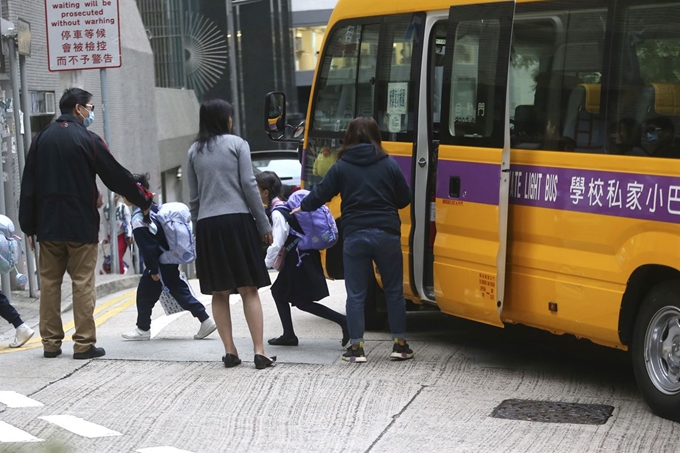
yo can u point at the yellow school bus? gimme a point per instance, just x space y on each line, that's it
541 142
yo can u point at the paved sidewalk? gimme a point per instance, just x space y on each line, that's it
28 307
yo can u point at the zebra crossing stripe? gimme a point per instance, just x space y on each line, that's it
161 450
14 399
79 426
9 433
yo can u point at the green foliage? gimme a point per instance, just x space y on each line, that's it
659 60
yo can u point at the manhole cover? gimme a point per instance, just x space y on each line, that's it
553 412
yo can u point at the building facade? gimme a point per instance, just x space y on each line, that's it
191 39
131 88
309 20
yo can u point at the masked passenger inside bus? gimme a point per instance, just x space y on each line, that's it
657 139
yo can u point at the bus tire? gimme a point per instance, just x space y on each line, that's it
375 308
656 350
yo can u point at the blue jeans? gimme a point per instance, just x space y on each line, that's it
149 291
360 249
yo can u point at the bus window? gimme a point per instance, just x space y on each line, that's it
555 78
647 121
473 79
345 82
533 44
396 84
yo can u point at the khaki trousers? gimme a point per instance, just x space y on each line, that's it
80 260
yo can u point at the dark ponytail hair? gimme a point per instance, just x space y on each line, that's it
214 118
363 129
268 180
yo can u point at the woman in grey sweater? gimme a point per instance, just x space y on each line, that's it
231 226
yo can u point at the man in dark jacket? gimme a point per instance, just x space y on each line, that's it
59 206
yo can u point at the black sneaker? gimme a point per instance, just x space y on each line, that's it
91 353
355 355
400 352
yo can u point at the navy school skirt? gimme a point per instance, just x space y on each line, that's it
229 254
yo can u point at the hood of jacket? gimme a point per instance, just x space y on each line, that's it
363 154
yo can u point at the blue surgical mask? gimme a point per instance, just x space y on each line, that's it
87 122
653 137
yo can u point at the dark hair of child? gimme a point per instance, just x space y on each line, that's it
269 181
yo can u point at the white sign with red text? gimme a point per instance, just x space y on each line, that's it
83 34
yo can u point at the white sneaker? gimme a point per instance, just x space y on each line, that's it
207 327
24 333
138 335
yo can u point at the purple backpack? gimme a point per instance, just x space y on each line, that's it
319 230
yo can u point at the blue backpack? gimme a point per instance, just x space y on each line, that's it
318 228
10 245
175 219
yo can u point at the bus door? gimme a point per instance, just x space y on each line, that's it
427 141
471 177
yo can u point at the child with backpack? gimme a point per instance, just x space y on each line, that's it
152 242
23 332
301 280
10 249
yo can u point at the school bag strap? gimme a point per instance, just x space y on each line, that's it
290 218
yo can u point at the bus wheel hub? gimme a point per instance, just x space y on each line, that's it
662 350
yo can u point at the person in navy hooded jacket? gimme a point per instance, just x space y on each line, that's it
373 189
151 241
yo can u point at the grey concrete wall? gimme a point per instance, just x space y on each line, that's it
177 127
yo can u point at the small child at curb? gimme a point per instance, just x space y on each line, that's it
23 333
151 241
301 282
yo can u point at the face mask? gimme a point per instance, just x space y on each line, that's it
653 137
87 122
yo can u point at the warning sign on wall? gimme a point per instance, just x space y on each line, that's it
83 34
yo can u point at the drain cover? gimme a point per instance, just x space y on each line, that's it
553 412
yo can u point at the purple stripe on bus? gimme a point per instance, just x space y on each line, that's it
479 183
632 195
405 163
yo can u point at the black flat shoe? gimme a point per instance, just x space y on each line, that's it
91 353
262 362
230 360
52 354
283 341
345 338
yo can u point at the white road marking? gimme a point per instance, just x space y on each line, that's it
162 322
9 433
14 399
79 426
162 450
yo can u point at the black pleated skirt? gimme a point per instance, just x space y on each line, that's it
301 280
229 254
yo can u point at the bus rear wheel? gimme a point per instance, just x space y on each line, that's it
656 350
375 308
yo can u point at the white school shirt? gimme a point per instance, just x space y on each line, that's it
280 229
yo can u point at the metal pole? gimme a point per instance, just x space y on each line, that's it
6 284
26 106
20 142
233 75
113 239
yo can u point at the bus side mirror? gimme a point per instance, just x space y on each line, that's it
275 115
